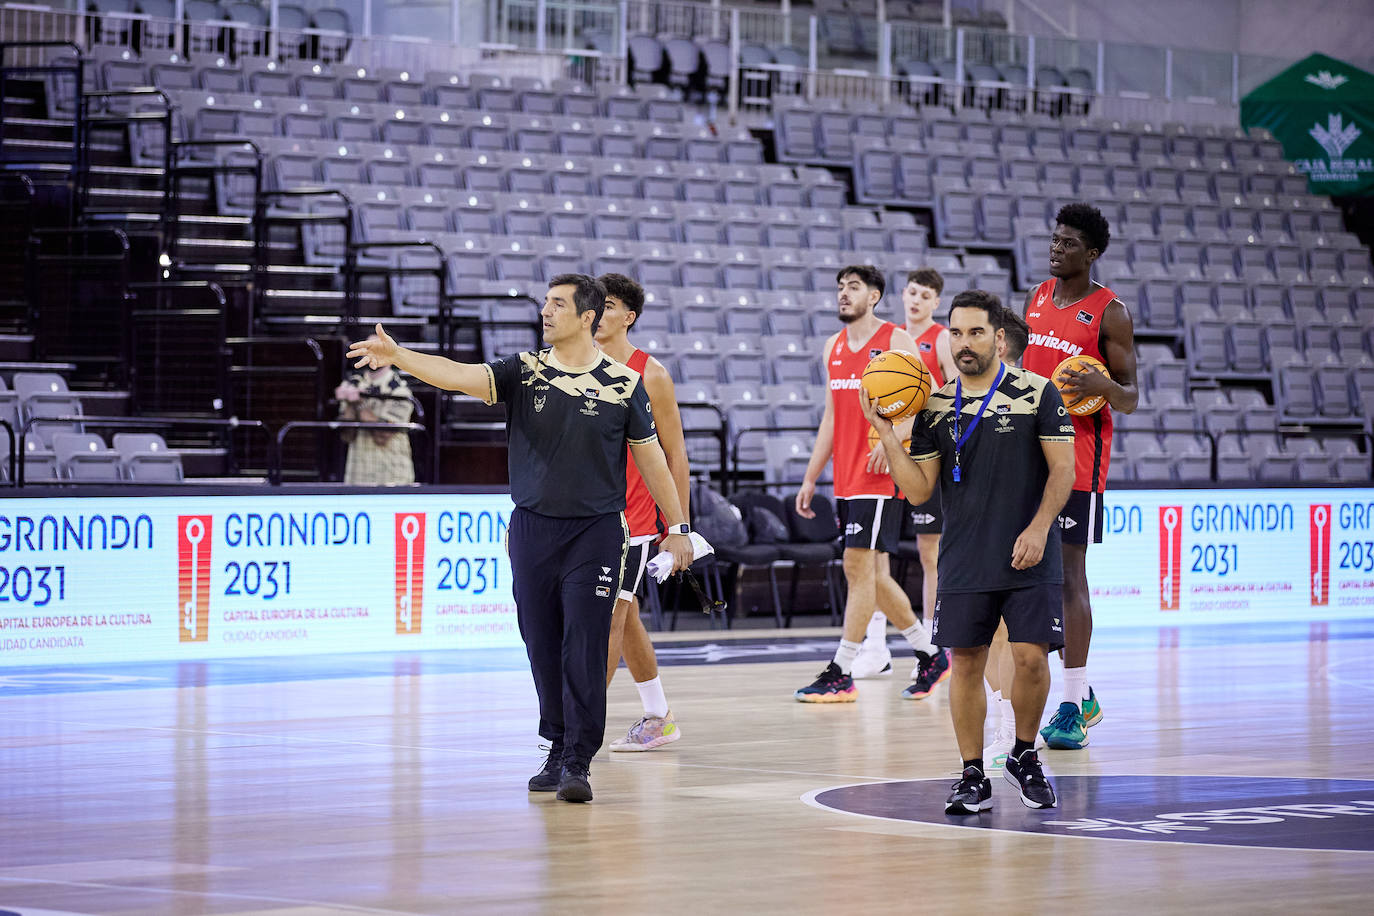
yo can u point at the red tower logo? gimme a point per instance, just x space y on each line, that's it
1170 556
193 578
410 570
1319 524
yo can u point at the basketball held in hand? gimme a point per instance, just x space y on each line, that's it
899 382
1083 406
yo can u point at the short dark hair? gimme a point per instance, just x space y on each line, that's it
980 299
1017 334
626 290
1088 220
588 293
871 276
927 276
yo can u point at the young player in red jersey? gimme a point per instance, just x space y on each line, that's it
867 500
920 300
624 303
1067 315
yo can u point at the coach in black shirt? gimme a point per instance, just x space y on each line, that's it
570 411
998 443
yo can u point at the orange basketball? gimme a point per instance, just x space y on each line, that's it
899 381
873 440
1083 406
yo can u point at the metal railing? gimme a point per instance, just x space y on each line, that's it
335 426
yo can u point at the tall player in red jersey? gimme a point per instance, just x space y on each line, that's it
1070 314
920 300
624 303
869 508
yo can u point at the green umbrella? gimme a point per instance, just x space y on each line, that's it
1322 111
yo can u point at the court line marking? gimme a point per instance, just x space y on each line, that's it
116 726
810 799
225 895
1358 685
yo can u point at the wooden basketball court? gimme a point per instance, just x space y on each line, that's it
1224 778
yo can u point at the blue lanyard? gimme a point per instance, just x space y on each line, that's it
959 440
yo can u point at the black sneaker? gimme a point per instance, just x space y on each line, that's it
972 793
931 671
830 686
546 780
1025 773
575 784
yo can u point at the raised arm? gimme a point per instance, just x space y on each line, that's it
917 478
381 350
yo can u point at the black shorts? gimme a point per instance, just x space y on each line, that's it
927 518
1080 522
872 522
636 559
967 620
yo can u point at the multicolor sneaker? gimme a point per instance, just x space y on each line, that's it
1025 773
972 793
648 733
874 660
1092 710
931 672
831 686
1066 731
546 780
995 754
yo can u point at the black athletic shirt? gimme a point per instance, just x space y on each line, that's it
568 428
1002 480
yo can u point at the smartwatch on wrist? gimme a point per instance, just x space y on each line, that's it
684 528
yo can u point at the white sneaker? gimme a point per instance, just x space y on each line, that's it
872 660
995 754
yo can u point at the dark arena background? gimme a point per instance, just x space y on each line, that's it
233 683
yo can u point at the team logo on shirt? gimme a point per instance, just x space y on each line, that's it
589 408
539 403
1085 317
1002 408
1004 424
874 351
924 346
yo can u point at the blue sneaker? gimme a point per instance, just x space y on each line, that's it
932 671
1066 731
1092 710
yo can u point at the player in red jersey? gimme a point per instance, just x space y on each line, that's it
624 303
867 500
921 300
1067 315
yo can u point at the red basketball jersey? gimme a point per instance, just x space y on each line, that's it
641 514
845 368
1055 335
925 348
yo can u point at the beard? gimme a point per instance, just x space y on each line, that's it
981 361
849 317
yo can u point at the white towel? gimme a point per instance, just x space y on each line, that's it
661 566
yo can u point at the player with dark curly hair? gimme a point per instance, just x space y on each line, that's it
1071 314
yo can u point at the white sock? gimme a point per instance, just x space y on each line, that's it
1076 686
651 695
877 630
845 655
917 637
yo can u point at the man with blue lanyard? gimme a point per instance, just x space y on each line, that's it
998 443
